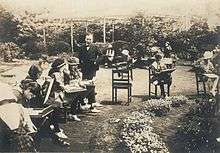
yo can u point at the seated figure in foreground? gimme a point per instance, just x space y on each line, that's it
34 98
16 128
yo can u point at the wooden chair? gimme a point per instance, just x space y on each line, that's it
59 109
200 84
121 82
122 66
155 92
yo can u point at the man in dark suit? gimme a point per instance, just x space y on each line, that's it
88 58
89 63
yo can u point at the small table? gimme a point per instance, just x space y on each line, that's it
40 112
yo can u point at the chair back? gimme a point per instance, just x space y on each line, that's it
121 76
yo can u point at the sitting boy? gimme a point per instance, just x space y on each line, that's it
74 80
85 87
210 71
158 77
109 56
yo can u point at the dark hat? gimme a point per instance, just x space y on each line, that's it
58 63
34 70
159 55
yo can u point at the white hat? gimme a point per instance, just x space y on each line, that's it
125 52
110 46
155 49
207 55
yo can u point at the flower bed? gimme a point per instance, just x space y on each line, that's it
138 134
198 126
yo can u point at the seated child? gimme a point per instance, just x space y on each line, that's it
110 53
160 78
33 93
31 89
74 80
210 71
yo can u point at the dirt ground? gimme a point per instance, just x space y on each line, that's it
81 133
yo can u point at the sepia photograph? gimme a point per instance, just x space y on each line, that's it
110 76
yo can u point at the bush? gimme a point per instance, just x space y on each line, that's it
198 126
8 26
9 51
58 47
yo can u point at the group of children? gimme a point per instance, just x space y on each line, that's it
43 89
65 74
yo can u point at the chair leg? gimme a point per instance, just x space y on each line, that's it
113 95
116 95
156 90
130 94
131 74
197 85
149 78
204 87
168 89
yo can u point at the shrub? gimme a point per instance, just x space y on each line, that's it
58 47
9 50
198 126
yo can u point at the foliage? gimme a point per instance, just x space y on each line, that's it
159 107
58 47
198 125
9 30
140 32
9 50
177 101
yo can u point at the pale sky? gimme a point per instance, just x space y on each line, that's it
85 8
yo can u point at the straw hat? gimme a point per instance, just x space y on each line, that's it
125 52
207 55
110 46
155 49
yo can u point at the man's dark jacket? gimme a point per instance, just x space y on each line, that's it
89 60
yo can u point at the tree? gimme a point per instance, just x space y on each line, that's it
9 30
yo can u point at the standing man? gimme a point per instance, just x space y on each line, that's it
89 63
88 58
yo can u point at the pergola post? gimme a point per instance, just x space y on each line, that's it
86 26
104 31
71 36
113 32
44 37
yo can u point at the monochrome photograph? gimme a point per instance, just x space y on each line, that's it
110 76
